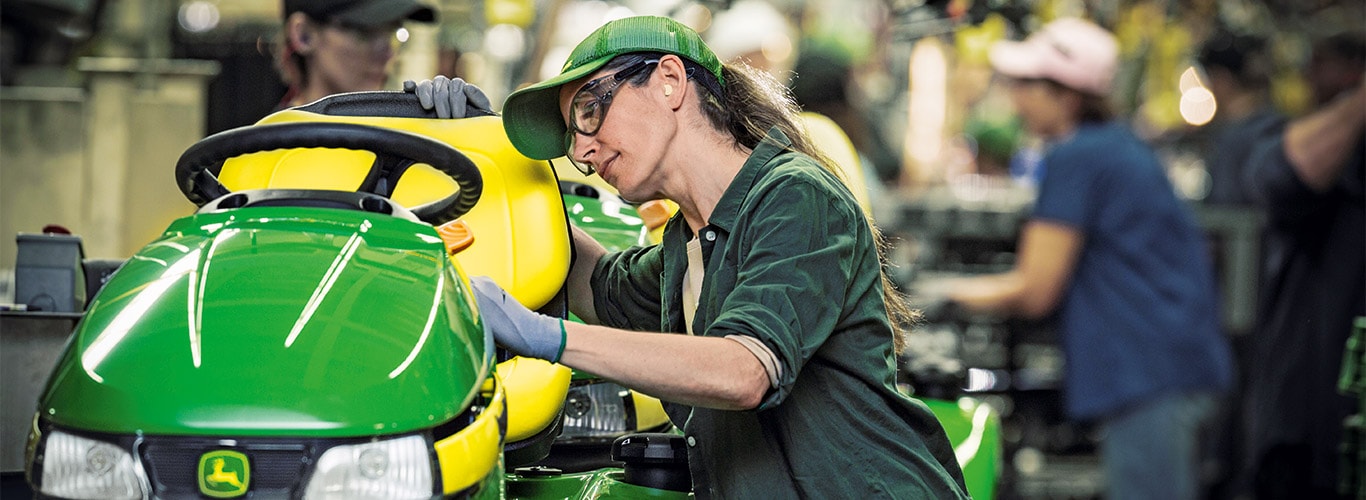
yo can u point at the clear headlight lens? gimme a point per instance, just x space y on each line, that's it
599 409
79 468
390 469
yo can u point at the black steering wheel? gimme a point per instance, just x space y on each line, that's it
395 151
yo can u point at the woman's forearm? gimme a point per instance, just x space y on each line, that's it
711 372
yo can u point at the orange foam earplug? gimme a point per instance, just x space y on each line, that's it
655 213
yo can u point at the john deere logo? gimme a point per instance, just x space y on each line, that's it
224 474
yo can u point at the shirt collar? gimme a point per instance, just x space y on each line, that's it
728 208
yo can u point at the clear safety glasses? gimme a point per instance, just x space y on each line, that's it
590 106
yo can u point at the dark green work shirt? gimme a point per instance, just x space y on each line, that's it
790 261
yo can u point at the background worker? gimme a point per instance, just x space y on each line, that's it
1239 77
335 46
1120 259
1311 180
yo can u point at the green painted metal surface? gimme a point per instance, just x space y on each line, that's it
488 488
615 225
602 484
280 321
974 429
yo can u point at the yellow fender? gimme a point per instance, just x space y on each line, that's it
649 412
471 455
536 390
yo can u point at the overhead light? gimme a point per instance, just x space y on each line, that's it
198 16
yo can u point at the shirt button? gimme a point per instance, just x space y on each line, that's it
709 235
692 441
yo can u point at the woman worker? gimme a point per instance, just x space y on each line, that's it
777 356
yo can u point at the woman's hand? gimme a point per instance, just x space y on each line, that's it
520 330
450 97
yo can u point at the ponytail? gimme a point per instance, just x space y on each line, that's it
746 107
755 102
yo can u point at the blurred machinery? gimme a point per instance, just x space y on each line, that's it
968 227
43 32
1352 381
85 135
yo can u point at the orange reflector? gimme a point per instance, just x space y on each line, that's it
457 235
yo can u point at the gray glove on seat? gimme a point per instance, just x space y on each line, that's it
520 330
450 97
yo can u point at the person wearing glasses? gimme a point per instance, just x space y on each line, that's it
763 320
336 46
1112 251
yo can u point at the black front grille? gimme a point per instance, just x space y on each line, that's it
278 466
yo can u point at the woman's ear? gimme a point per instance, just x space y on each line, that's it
675 77
300 33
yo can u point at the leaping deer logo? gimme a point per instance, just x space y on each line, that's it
220 476
224 474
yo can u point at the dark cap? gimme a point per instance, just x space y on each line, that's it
362 12
1244 56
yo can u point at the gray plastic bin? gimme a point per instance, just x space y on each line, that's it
48 275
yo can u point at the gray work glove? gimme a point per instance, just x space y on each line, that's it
520 330
451 97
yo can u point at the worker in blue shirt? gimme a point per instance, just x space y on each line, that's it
1119 258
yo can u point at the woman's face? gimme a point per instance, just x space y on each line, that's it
631 129
351 59
1040 106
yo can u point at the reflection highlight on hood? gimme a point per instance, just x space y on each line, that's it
325 285
127 318
426 330
195 297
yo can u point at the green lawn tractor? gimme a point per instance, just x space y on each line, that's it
309 331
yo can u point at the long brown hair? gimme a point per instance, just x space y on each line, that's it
751 103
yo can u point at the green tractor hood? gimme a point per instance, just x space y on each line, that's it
280 321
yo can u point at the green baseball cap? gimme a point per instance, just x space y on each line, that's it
531 116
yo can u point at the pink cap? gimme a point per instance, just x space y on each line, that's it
1071 51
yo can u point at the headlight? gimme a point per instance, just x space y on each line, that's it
599 409
78 468
391 469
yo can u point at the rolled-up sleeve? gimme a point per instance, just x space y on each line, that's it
794 274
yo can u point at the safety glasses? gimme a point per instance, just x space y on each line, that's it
369 36
590 104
